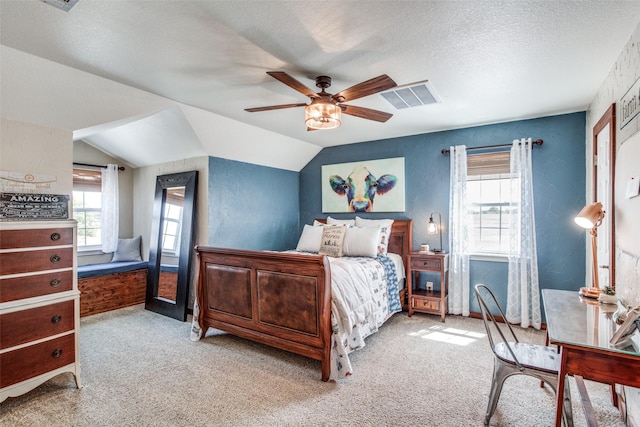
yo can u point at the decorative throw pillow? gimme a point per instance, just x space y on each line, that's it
361 241
347 222
332 240
385 231
310 239
128 250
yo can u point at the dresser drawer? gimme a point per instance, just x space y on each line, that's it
32 286
428 264
31 361
422 304
24 262
21 327
11 239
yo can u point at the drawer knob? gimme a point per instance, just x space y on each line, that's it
55 283
56 353
55 236
55 319
54 258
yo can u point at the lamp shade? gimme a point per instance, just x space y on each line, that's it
590 216
322 115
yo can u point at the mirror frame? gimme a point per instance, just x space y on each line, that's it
178 308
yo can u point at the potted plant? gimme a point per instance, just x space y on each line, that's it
608 296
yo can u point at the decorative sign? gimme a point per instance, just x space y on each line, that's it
23 206
630 104
25 182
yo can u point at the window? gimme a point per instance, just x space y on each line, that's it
87 205
488 202
171 228
172 220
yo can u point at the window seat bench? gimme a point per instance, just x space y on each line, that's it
110 286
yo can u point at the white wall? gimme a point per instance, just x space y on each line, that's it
144 187
623 75
38 150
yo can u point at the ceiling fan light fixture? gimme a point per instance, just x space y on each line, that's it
322 115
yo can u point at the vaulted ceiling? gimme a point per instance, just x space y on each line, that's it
155 81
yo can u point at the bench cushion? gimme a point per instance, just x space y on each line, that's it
93 270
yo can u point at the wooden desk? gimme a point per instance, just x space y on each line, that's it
583 328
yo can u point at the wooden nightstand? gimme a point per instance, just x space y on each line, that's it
432 302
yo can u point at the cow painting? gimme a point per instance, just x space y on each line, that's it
360 187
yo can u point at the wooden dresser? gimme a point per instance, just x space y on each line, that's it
39 304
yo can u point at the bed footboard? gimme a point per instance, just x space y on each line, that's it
279 299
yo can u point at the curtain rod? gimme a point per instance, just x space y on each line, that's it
120 168
536 142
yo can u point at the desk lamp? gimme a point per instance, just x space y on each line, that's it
590 217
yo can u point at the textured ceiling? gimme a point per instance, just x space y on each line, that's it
171 79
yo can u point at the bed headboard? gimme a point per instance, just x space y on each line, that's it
401 237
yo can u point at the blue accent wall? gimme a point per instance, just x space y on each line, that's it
252 207
559 183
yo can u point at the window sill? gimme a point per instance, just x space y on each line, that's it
89 251
489 257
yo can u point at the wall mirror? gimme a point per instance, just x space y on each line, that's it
171 244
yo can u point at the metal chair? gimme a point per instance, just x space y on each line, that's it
515 358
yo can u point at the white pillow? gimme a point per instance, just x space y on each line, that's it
332 240
310 239
385 231
347 222
361 241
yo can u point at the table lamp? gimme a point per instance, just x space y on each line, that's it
590 217
433 228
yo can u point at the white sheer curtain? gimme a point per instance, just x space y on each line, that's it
458 233
523 300
110 208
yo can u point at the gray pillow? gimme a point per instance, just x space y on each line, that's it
128 250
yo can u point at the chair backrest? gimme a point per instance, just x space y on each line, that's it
497 332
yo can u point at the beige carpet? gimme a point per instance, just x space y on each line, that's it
140 369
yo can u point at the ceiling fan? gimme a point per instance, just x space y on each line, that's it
325 109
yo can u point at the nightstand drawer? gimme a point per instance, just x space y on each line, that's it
421 304
429 264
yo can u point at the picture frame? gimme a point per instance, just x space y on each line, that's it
364 186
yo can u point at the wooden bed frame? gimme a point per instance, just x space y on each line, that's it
279 299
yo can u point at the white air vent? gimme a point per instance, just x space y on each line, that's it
412 95
65 5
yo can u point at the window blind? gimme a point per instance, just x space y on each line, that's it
488 163
87 180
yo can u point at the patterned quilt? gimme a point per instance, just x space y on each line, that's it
364 294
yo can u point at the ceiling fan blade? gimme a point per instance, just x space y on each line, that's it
274 107
366 113
292 83
369 87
